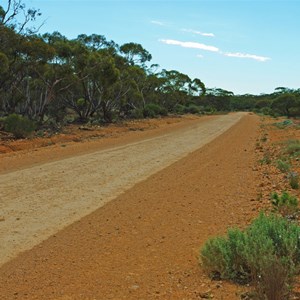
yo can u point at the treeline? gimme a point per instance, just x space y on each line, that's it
52 79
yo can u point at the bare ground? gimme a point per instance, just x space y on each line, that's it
142 245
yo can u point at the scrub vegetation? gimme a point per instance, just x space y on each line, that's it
52 80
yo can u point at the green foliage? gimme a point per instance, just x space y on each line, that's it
292 148
284 103
92 76
153 110
192 109
286 204
179 109
136 114
284 124
19 126
283 166
269 243
4 64
267 111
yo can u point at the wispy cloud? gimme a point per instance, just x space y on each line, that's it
198 32
195 45
159 23
245 55
190 45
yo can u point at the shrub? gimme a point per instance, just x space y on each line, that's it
179 109
293 147
136 113
267 111
283 124
286 204
153 110
283 166
19 126
247 256
192 109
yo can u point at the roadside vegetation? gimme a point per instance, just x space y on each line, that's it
264 255
48 80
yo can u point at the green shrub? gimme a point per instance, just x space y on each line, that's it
267 111
293 147
136 113
245 256
284 124
153 110
286 204
179 109
283 166
192 109
19 126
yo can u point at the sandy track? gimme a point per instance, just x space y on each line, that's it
37 202
145 243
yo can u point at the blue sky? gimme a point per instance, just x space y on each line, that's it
244 46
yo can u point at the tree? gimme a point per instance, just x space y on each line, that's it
218 99
284 103
135 54
14 8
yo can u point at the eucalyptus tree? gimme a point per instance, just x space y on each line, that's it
218 99
175 88
285 103
135 54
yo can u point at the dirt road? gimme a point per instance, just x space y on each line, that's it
142 245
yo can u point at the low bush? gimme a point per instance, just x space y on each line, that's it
153 110
19 126
284 124
179 109
293 148
192 109
269 243
286 204
283 166
136 113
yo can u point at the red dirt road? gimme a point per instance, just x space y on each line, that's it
145 243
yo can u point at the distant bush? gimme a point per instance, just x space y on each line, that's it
267 111
270 243
19 126
136 113
153 110
284 124
192 109
179 109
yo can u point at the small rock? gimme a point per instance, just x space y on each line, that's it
2 219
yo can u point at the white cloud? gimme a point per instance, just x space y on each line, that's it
198 32
190 45
245 55
199 55
158 23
